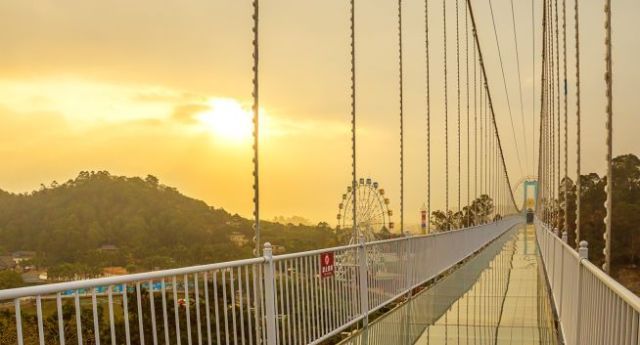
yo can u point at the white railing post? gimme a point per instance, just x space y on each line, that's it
560 300
270 295
409 282
18 321
583 252
364 290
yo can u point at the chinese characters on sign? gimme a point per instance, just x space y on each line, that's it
326 264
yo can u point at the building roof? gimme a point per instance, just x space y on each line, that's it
114 271
23 254
7 263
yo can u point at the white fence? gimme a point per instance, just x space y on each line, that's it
592 307
285 299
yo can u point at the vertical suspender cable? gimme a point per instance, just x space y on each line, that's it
544 90
558 116
256 186
578 183
458 94
533 89
401 117
608 77
255 107
552 119
566 118
466 50
446 111
541 142
486 140
552 112
352 22
481 134
475 128
548 112
426 45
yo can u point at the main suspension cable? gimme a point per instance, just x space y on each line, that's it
493 119
524 132
504 82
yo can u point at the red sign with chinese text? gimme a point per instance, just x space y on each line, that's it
326 264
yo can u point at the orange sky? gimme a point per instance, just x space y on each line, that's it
126 87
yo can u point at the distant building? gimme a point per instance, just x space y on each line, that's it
7 263
34 277
23 255
278 249
238 239
108 248
114 271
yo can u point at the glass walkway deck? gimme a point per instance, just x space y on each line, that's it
499 296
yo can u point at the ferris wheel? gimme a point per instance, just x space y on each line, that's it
372 211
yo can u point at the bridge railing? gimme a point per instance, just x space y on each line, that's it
593 308
301 298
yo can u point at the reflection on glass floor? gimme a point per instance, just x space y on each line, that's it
498 297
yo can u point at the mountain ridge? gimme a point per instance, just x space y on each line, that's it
150 225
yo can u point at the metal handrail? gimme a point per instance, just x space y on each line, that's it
54 288
271 299
620 290
595 308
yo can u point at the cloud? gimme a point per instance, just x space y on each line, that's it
167 96
185 113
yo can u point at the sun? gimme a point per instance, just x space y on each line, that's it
228 119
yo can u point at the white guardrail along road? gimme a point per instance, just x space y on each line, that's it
301 298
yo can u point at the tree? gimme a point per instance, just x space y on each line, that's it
10 279
480 211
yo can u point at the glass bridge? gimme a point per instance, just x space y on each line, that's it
499 296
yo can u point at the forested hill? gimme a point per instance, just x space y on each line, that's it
149 224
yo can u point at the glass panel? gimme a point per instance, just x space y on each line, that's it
499 294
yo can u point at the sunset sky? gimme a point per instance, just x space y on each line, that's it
164 88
